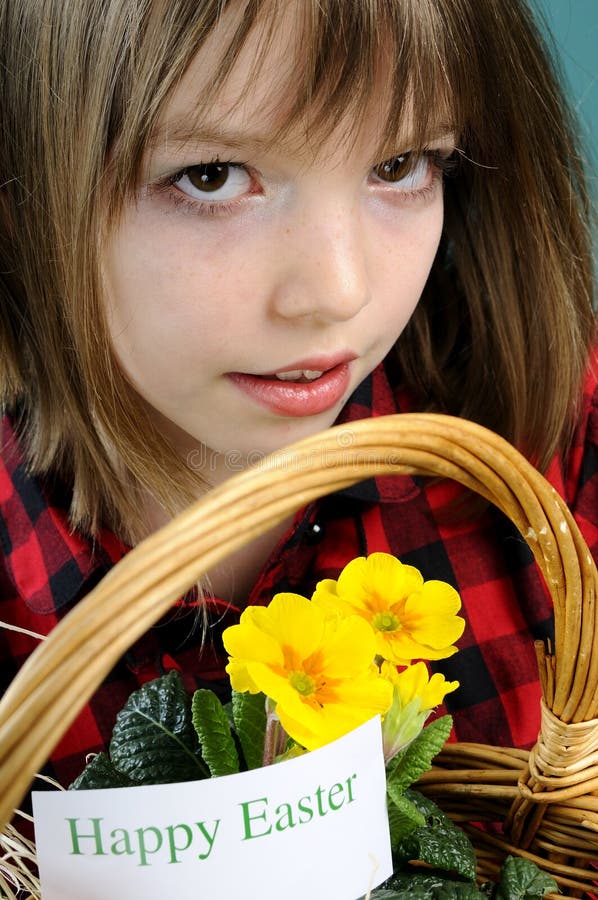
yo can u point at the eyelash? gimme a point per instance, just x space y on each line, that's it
443 165
204 208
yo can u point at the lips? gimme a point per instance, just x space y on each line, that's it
301 375
306 388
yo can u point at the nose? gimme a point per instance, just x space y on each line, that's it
323 270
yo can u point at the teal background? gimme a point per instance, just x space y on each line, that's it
574 28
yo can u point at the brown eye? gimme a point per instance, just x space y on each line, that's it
396 168
209 176
405 173
214 182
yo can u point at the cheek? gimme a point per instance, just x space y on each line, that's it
406 250
168 295
421 231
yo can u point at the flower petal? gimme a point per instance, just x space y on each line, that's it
344 706
350 649
429 615
436 690
246 641
411 682
292 621
299 729
274 684
378 582
338 720
313 729
326 589
369 692
401 649
326 598
240 679
415 683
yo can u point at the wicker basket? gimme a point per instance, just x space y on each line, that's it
547 798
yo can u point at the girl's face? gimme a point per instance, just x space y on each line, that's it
251 288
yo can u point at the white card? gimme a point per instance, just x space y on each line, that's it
312 827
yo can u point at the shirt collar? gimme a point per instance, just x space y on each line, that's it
373 398
52 565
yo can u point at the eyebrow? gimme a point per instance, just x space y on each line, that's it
179 132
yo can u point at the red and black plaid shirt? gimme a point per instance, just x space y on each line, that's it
44 570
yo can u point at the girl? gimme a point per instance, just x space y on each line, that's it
227 225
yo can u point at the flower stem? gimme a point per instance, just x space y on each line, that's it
275 737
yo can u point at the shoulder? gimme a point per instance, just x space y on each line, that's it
47 564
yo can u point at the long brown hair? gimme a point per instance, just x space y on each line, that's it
503 329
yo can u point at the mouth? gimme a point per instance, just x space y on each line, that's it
305 388
300 376
307 370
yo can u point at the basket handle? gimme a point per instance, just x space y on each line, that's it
64 671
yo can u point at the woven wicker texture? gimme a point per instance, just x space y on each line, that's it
547 798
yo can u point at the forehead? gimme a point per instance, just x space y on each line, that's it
254 90
269 87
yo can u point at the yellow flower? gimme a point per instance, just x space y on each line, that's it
414 683
319 671
415 695
412 618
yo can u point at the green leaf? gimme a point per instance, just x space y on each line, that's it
154 741
99 773
438 843
427 807
521 879
417 758
249 715
413 886
403 818
213 729
228 709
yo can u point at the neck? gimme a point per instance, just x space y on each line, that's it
234 577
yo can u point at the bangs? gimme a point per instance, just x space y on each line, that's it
336 64
340 62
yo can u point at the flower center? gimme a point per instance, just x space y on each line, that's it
302 683
385 621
